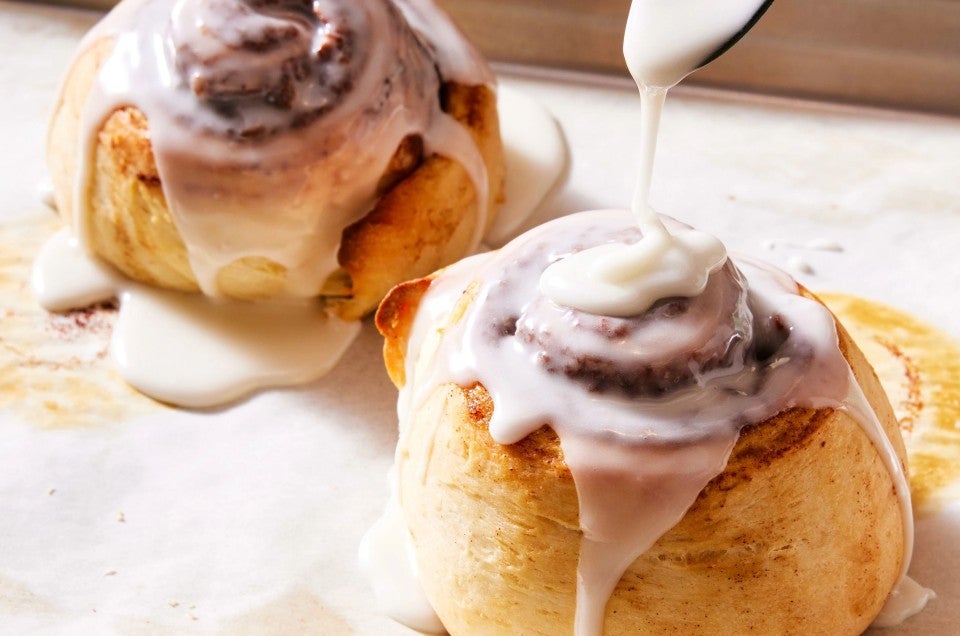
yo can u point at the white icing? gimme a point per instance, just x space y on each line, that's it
629 497
254 182
672 408
186 349
534 158
604 280
907 599
285 195
664 41
457 57
659 446
387 561
64 277
667 39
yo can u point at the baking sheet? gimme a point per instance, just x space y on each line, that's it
122 516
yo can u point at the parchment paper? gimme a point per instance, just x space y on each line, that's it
122 516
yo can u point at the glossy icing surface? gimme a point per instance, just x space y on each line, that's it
673 386
271 125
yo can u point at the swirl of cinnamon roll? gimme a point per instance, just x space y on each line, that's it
559 471
724 340
264 65
263 148
674 344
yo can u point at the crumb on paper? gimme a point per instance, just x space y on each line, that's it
824 245
173 603
121 518
111 573
51 491
193 618
797 264
815 245
45 193
76 324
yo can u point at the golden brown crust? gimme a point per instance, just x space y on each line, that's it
424 219
394 319
131 226
63 151
801 533
428 220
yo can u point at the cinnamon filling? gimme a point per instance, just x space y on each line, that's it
666 348
316 51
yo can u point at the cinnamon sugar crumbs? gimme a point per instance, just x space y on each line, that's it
912 403
53 367
919 368
95 320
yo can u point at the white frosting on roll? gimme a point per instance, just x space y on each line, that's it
638 342
663 43
239 94
271 124
671 399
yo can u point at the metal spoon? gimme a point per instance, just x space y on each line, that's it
736 37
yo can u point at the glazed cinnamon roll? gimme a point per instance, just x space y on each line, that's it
259 148
721 464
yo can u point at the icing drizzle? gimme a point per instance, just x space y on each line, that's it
667 430
272 123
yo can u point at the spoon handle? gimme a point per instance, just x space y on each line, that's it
736 37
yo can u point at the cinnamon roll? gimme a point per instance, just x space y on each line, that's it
725 463
263 148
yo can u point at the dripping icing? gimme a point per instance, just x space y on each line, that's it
219 213
186 349
648 443
664 42
611 278
166 57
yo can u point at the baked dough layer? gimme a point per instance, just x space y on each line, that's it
424 219
801 533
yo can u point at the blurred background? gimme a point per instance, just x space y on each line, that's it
892 53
